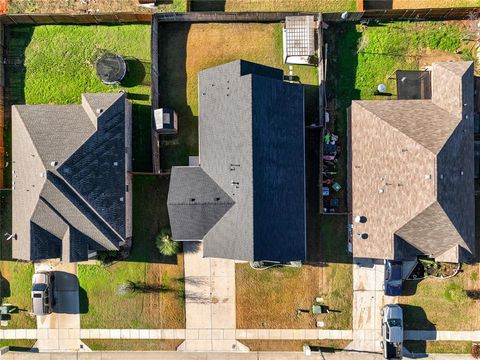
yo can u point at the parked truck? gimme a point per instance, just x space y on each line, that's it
392 331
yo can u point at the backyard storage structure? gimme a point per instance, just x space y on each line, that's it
165 121
299 40
413 85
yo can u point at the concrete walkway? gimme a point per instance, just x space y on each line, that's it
209 302
60 330
225 334
152 355
368 300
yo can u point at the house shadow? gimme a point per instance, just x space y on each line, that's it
207 5
415 318
327 236
4 288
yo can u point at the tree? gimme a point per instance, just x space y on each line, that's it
165 244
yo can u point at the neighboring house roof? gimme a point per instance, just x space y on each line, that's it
412 171
69 177
246 201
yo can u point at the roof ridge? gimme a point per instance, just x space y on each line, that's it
84 202
396 128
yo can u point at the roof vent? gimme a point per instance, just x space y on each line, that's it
53 163
428 177
363 236
99 111
42 174
192 199
461 172
115 163
441 176
380 191
217 199
121 199
360 219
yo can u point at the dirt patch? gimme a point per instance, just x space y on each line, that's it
427 57
132 345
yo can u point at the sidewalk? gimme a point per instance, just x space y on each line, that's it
152 355
192 334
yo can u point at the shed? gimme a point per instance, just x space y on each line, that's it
165 121
299 40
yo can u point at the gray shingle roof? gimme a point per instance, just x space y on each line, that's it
251 134
70 174
412 171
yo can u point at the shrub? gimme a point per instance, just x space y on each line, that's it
455 293
165 244
107 257
476 351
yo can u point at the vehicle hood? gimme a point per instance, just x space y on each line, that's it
396 334
393 312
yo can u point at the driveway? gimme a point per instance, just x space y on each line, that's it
60 330
368 300
209 302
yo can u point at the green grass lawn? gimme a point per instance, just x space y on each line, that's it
58 67
104 305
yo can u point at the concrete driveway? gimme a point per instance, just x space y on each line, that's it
60 330
368 300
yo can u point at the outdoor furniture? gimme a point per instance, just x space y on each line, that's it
325 191
334 203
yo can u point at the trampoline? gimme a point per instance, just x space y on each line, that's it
110 68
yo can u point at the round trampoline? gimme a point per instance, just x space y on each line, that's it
110 68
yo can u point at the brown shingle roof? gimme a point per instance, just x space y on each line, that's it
409 160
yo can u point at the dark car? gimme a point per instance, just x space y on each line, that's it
393 278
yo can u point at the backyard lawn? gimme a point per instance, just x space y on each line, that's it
436 304
183 53
274 5
53 65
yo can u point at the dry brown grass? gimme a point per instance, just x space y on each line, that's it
73 6
270 298
185 50
432 307
132 345
293 345
291 5
425 4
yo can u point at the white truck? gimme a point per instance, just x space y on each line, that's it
392 331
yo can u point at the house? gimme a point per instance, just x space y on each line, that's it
70 180
412 172
246 198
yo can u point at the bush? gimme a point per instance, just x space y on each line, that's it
107 257
165 244
476 351
455 293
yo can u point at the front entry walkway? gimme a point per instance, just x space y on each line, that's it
209 302
60 330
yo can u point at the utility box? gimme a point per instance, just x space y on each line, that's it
165 121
